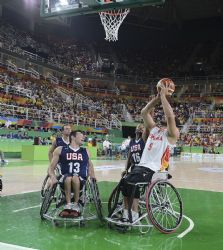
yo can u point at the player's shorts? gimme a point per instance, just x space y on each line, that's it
63 178
138 174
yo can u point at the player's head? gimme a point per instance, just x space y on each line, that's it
66 130
163 122
77 136
139 130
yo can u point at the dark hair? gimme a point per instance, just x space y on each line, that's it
65 125
164 123
73 133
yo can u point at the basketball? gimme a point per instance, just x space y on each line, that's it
168 83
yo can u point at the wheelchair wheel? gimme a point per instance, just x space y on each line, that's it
164 206
47 200
1 185
96 198
43 188
114 200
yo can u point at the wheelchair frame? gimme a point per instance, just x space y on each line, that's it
44 185
160 205
89 195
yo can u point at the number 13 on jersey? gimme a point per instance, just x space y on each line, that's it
74 167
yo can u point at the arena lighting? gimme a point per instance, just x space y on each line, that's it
77 79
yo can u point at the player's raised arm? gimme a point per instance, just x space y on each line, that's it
145 134
173 132
147 111
53 164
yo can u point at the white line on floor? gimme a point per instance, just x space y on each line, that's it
26 208
5 246
188 229
25 192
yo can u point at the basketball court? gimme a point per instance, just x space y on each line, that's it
198 181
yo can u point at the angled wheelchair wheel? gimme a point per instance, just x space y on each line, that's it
96 198
114 200
1 185
47 200
44 187
164 206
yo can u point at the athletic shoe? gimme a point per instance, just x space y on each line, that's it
68 206
75 210
75 207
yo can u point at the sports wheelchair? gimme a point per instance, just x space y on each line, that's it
1 184
45 184
160 205
90 204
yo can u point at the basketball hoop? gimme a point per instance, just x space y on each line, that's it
112 20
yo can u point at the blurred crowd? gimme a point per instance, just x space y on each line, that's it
79 57
98 104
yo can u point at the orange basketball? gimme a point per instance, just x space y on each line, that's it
168 83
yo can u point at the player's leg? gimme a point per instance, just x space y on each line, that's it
67 190
65 185
127 191
76 190
76 187
131 193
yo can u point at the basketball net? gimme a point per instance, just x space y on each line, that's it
112 20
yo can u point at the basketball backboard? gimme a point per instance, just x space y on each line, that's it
54 8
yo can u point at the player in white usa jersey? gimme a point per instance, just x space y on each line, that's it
155 155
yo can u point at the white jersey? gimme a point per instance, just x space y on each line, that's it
156 153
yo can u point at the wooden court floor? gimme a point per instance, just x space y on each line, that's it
25 176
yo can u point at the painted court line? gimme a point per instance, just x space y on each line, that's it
25 192
26 208
5 246
180 236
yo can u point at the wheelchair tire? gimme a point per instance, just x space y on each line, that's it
113 200
43 188
164 206
96 198
47 200
1 185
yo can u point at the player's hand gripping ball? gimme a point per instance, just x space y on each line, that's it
166 82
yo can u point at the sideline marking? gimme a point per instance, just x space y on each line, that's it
5 246
180 236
